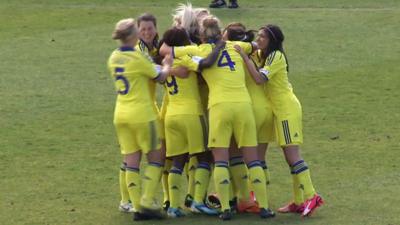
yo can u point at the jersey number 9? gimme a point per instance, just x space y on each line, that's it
119 77
173 85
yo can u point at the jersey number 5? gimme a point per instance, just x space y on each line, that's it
173 85
228 61
120 77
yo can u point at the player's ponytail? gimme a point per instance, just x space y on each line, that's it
210 30
238 32
276 38
124 29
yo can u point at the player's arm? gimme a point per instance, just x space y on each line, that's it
197 63
212 57
258 76
158 73
247 47
180 71
179 51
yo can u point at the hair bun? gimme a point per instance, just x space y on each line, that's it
210 21
124 28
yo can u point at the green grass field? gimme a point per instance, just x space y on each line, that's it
59 157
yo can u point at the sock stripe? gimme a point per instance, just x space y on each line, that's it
253 164
155 164
300 170
236 164
221 164
203 166
132 169
299 167
297 163
236 160
176 171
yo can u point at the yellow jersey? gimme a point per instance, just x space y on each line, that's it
143 47
226 78
278 88
183 93
132 71
256 92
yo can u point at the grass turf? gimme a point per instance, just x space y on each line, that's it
59 156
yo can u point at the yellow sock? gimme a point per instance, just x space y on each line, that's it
302 172
266 172
231 189
164 179
152 177
221 179
297 191
191 173
239 173
175 186
202 179
257 180
123 188
133 182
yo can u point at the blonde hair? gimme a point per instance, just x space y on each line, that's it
210 28
189 18
124 28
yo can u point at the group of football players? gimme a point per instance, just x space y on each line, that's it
226 97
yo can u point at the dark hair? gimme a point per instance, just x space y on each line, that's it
240 35
176 36
276 39
237 32
147 17
151 18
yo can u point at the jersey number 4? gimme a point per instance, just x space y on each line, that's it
225 60
120 77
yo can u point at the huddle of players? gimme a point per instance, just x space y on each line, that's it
250 104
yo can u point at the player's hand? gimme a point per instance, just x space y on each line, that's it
180 71
240 51
220 45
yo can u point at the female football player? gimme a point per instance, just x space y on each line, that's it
230 113
288 115
264 123
148 43
189 18
135 119
185 126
